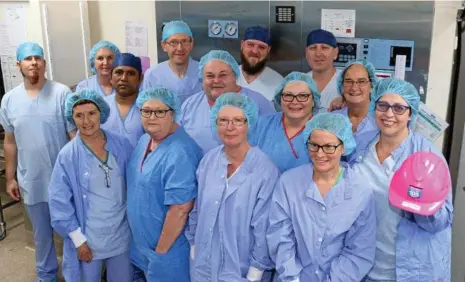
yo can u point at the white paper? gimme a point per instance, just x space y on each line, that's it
11 75
340 22
399 72
429 124
12 28
136 35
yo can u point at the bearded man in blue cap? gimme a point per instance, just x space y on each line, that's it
255 75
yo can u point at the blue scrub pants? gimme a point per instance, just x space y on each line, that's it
119 269
46 259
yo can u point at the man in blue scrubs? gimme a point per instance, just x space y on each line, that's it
124 115
33 117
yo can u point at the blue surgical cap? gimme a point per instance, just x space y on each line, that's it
100 45
364 63
161 94
28 49
400 87
175 27
335 123
258 33
247 105
221 56
87 95
300 76
129 60
321 36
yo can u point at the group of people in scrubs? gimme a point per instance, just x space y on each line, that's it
214 171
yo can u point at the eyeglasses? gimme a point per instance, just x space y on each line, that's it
106 169
397 109
327 149
301 97
175 43
147 113
220 76
359 83
235 121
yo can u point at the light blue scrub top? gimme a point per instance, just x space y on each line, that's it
229 221
70 189
41 130
195 117
130 127
93 84
107 228
165 177
315 238
409 247
184 87
270 136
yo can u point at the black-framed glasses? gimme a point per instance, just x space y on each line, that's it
106 169
397 109
359 83
327 149
175 43
235 121
147 113
301 97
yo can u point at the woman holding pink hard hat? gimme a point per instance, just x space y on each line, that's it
410 246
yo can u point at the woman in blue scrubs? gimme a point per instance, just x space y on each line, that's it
409 247
228 225
161 189
322 215
279 135
101 59
87 195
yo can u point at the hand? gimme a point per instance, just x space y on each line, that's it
337 104
84 253
160 251
12 189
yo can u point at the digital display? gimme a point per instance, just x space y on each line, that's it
347 52
400 50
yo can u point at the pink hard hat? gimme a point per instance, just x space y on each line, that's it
421 184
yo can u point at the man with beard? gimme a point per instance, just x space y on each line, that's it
255 75
321 52
179 72
124 115
33 117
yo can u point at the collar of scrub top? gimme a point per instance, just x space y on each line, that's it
340 195
247 163
289 139
147 150
211 104
103 163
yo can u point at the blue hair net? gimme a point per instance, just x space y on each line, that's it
28 49
335 123
100 45
321 36
162 94
400 87
175 27
129 60
87 95
222 56
247 105
300 76
368 67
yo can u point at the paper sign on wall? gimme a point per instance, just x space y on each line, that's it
12 28
340 22
429 124
401 61
11 75
136 35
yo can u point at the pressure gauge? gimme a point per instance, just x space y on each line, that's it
231 29
215 28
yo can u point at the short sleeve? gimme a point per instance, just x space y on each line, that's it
4 117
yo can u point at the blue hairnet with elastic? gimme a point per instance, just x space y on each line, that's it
221 56
368 67
247 105
129 60
400 87
175 27
87 95
300 76
28 49
161 94
335 123
100 45
321 36
258 33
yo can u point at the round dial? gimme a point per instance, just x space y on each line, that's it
231 29
215 28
